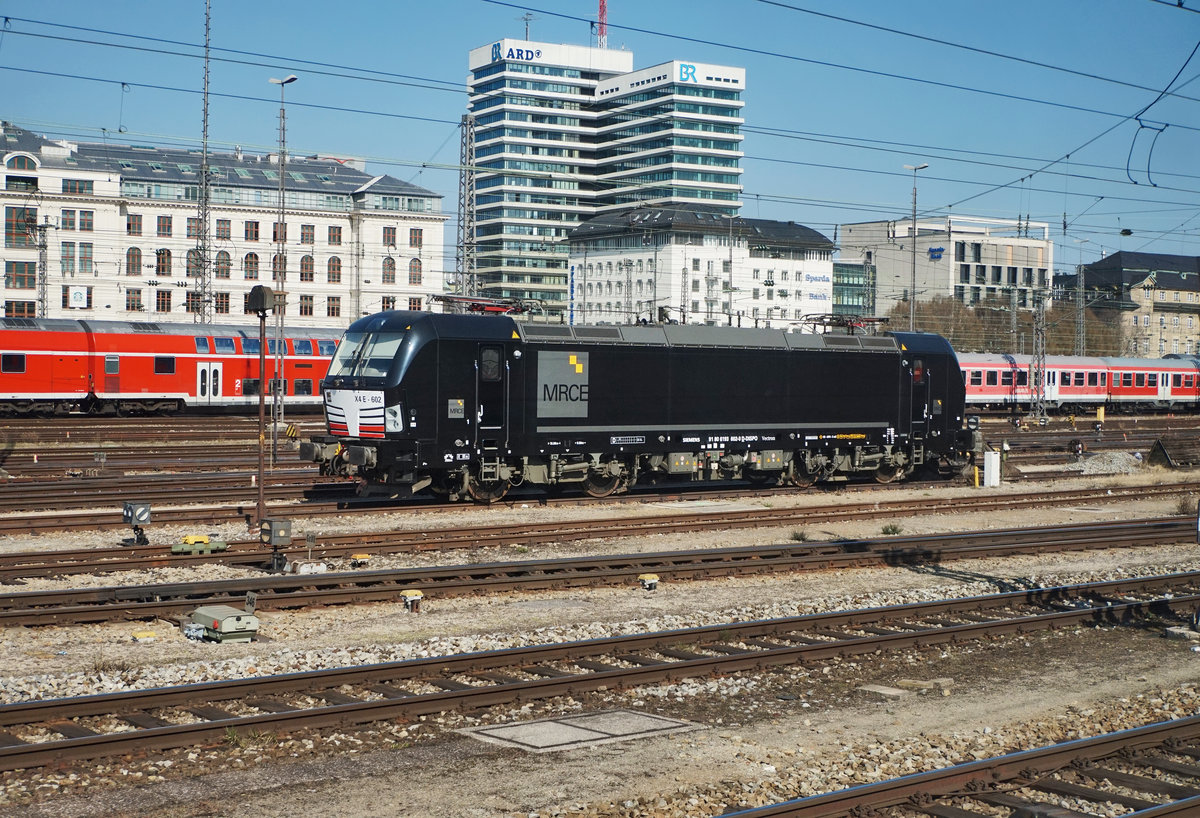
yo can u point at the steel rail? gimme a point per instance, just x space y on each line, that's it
778 516
249 552
142 601
1024 769
466 681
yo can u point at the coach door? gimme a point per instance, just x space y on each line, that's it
491 397
208 383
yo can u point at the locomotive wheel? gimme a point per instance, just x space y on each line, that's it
487 491
597 485
886 473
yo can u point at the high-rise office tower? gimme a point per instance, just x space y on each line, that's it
563 132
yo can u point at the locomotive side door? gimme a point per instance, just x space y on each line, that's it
208 383
491 397
919 397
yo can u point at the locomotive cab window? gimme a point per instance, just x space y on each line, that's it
366 354
490 371
164 365
12 362
202 345
224 345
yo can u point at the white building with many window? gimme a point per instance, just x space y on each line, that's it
968 258
697 265
113 232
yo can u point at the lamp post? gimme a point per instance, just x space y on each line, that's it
912 290
281 274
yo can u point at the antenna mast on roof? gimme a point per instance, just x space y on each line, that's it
602 32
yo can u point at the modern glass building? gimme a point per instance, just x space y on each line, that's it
564 132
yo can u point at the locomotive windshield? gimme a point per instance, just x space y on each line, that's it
365 354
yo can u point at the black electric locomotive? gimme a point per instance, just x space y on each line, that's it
470 405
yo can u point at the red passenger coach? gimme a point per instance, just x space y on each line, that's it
57 366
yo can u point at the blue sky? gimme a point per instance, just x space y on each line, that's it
834 107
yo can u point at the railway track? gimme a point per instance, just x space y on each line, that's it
1151 770
244 511
276 592
36 733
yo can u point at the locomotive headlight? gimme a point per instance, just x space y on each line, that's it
393 419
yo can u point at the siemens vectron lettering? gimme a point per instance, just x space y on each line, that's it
562 385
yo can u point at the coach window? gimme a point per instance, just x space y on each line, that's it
164 365
1176 380
250 386
303 346
112 364
327 347
489 364
1022 378
1006 378
202 345
224 345
1152 379
992 378
1093 378
1104 379
273 346
1079 378
1140 379
303 386
1126 379
250 346
12 362
1065 378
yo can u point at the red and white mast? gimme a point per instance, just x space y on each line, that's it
602 32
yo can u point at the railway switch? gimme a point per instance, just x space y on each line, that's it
223 623
648 581
412 599
137 515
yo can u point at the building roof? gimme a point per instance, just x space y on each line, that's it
1129 269
699 219
146 163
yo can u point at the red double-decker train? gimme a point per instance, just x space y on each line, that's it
58 366
1077 383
